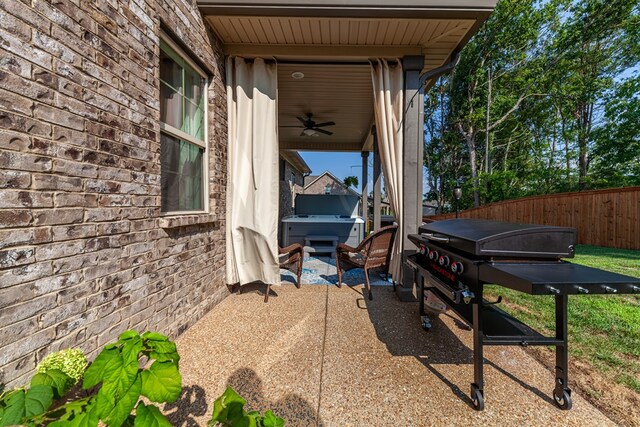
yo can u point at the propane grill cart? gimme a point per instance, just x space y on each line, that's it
457 257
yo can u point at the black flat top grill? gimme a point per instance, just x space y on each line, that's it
458 257
482 238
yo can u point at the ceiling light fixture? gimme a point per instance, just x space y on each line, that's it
310 132
297 75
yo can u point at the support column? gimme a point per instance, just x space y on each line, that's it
365 186
413 132
377 182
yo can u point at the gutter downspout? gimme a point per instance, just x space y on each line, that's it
443 69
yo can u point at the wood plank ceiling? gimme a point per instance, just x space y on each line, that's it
434 38
341 93
332 53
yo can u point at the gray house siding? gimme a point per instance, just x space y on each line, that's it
84 251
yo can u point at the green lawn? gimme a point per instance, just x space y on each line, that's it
604 330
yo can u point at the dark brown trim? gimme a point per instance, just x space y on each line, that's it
465 9
346 13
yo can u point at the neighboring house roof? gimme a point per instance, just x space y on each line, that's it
295 160
311 179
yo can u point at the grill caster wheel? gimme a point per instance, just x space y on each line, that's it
477 397
426 323
563 400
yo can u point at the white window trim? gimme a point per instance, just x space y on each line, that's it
182 135
170 130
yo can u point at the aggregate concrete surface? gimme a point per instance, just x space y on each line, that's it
323 356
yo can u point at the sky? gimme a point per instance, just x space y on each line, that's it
341 164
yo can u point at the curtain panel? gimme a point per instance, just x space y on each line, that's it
388 91
252 190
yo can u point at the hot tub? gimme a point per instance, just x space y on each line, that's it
320 233
321 221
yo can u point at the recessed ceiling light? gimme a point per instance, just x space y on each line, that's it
297 75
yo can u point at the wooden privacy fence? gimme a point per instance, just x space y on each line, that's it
602 217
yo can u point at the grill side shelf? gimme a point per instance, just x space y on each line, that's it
557 278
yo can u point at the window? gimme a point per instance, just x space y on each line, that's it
183 146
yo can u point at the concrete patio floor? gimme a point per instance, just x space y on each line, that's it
325 356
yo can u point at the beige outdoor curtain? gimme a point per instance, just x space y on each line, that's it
388 85
252 190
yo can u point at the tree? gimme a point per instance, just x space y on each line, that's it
544 99
596 43
616 149
351 181
498 71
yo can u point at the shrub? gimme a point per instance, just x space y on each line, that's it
116 381
71 361
228 411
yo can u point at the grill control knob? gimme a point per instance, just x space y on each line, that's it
423 250
433 255
457 268
444 261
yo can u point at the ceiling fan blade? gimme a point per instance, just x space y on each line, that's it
326 132
303 121
325 124
296 126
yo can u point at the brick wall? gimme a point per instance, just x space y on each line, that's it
84 253
291 184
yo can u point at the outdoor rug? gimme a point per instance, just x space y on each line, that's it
322 271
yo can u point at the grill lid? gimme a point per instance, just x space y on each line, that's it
483 238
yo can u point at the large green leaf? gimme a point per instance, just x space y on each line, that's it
38 399
228 408
127 335
118 376
94 374
15 409
55 378
78 413
271 420
131 350
150 416
246 421
162 347
163 351
30 403
154 336
123 406
162 382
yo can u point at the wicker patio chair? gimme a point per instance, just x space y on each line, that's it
372 252
290 259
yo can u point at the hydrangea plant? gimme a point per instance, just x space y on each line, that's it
70 361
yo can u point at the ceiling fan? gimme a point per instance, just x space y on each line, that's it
310 127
